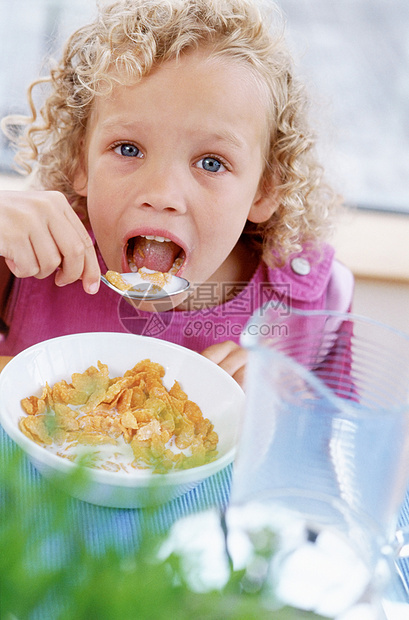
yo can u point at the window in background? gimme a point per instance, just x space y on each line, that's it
29 33
354 55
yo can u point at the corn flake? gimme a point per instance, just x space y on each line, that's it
163 428
117 280
157 278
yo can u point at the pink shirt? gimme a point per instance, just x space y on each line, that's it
37 309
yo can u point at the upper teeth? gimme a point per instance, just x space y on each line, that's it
155 238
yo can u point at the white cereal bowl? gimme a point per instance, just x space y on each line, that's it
218 395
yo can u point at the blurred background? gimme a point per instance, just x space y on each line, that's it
353 56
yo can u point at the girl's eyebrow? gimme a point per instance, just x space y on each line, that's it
229 137
115 123
223 136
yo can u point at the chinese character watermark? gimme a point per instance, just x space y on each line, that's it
202 316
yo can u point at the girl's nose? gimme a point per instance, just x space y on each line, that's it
164 188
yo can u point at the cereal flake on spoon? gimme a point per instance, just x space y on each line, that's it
155 260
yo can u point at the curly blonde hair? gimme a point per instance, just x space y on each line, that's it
128 38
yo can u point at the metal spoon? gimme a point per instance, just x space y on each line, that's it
145 290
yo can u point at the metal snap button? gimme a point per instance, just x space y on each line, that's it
300 266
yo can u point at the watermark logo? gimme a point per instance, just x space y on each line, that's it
224 330
202 317
267 330
136 321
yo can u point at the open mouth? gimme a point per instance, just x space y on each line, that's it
154 253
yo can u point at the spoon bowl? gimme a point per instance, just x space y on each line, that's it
145 290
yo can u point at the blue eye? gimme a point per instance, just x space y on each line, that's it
211 164
128 150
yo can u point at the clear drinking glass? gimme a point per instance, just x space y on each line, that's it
323 460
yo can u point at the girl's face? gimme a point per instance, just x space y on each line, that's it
178 156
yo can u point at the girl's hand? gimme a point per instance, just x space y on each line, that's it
40 232
229 356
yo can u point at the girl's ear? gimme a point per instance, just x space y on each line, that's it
267 198
80 180
263 207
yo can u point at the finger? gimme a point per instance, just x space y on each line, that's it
235 361
23 262
71 246
79 259
79 227
90 273
47 254
72 260
91 276
240 376
229 356
217 352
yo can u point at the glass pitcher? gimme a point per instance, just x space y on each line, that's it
323 459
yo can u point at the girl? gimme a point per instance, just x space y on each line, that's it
174 130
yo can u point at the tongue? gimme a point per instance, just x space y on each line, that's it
155 255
